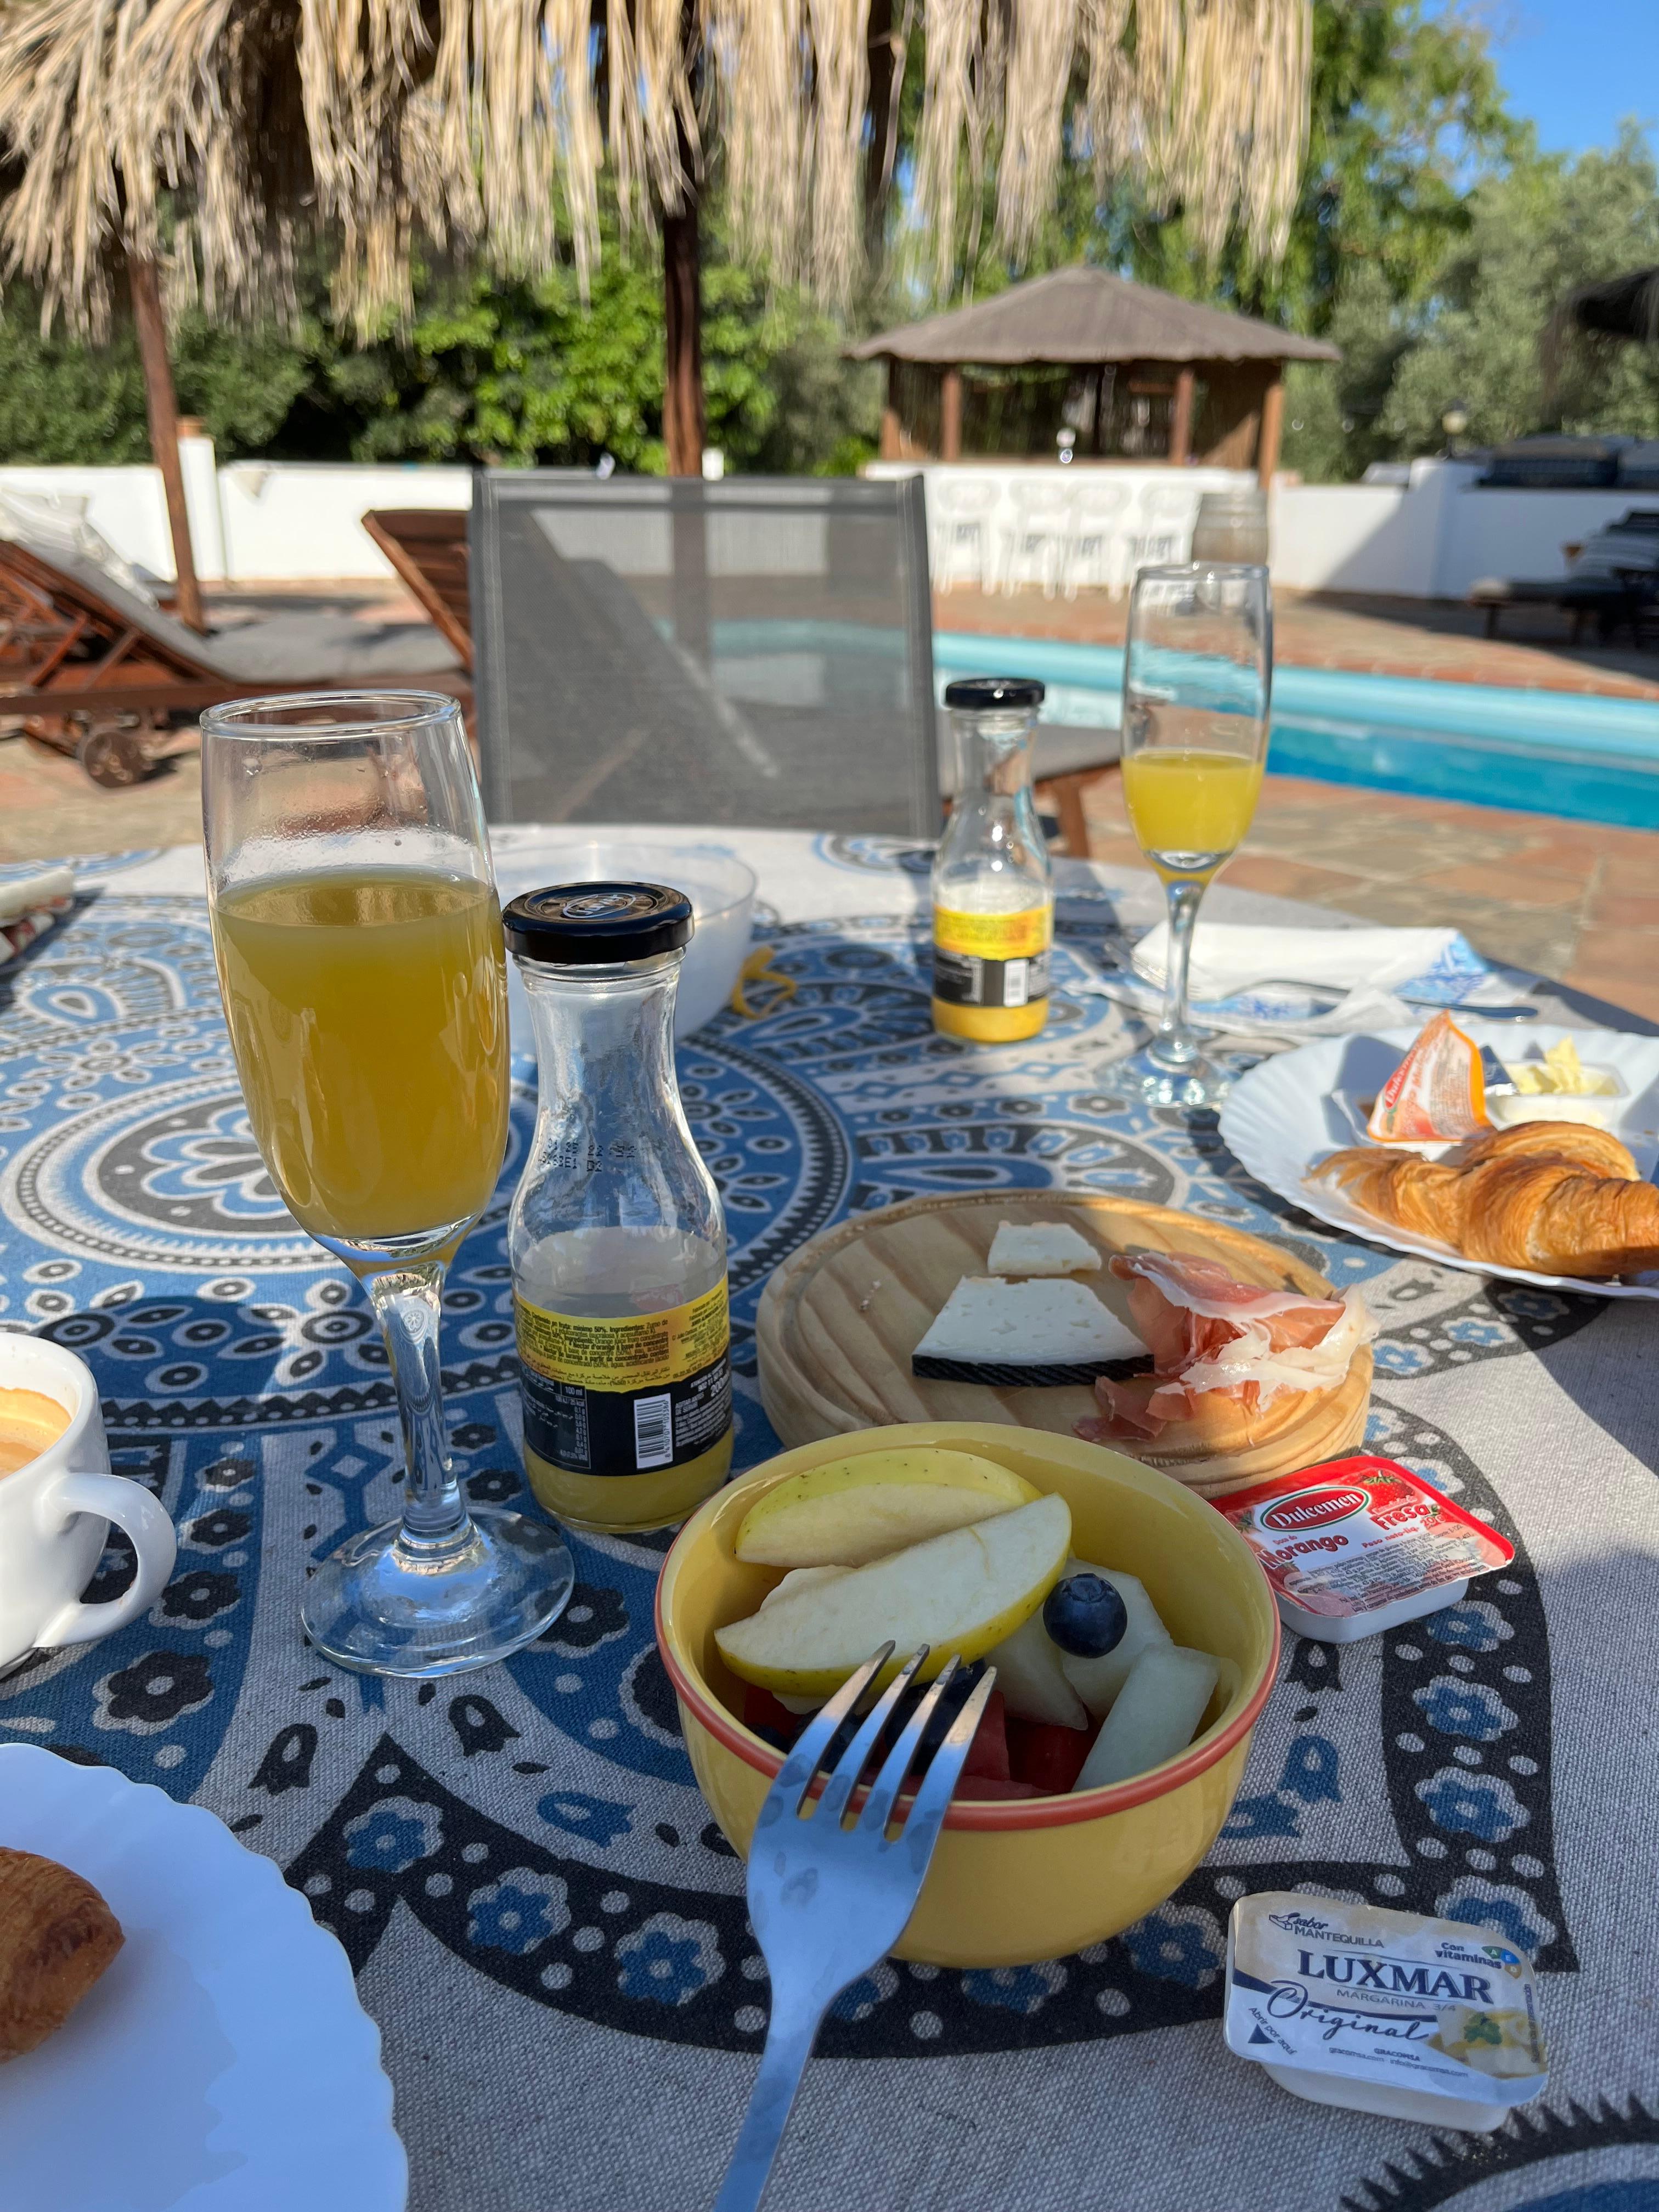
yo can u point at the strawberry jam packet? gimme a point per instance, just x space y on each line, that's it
1357 1547
1437 1094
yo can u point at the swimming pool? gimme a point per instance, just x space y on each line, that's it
1546 752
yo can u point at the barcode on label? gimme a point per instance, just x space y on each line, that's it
654 1432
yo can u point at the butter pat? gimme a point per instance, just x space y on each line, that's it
1383 2011
1559 1073
1041 1248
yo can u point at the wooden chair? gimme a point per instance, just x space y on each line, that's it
94 671
427 547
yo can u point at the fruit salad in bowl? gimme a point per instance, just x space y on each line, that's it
1133 1636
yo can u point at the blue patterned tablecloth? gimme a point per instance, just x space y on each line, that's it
542 1918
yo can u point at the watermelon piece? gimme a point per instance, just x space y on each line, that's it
987 1754
1048 1757
773 1723
991 1787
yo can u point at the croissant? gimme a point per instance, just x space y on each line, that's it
1558 1198
57 1936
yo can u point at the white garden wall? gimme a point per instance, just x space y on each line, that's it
258 521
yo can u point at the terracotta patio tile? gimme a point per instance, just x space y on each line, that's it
1637 994
1284 878
1516 884
1632 955
1633 868
1625 910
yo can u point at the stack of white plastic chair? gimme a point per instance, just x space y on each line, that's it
1035 545
960 510
1162 529
1096 549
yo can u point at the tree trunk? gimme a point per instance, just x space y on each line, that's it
682 271
162 407
886 81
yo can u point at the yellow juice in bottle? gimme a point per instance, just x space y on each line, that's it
1182 801
1001 957
616 1235
368 1013
992 888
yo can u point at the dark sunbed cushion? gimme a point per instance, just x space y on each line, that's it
288 649
1547 591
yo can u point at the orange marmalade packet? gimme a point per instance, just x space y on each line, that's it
1437 1094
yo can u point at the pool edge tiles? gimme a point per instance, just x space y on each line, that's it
1578 756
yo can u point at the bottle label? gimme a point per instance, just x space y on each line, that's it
990 959
629 1395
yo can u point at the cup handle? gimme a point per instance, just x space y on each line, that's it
132 1508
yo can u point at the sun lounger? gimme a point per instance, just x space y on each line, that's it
1613 578
90 668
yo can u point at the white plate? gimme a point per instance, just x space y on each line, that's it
222 2062
1285 1114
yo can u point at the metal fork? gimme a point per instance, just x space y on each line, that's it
828 1901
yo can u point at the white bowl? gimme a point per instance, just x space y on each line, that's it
720 887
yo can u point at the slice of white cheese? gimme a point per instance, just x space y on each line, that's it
1053 1324
1040 1247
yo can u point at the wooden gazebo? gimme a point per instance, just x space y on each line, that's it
1139 375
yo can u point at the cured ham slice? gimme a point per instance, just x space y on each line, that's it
1214 1338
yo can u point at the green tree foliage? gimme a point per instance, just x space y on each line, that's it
1548 225
488 371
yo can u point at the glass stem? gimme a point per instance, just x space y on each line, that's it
1175 1046
408 1303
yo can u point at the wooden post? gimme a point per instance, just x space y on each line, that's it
892 434
1180 421
681 275
950 415
683 417
1272 422
1097 414
162 407
886 50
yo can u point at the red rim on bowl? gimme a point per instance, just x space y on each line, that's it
1019 1812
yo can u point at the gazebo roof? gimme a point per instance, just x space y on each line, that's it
1089 315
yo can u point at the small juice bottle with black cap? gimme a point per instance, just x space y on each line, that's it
617 1238
993 900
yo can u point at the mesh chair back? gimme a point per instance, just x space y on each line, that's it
753 652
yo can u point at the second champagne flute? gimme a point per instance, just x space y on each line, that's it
1197 675
361 965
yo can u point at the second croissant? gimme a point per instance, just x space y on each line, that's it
1559 1198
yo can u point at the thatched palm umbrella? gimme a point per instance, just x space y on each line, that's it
197 139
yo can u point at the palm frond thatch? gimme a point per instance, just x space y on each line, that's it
489 123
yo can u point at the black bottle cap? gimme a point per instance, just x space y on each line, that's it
989 694
591 925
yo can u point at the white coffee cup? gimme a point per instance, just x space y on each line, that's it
55 1512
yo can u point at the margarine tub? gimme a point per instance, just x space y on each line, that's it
1383 2011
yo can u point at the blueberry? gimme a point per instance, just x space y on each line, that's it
1084 1615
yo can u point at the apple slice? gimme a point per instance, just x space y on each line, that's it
959 1594
1032 1680
1157 1714
850 1511
1097 1681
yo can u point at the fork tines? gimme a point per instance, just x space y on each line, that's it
873 1734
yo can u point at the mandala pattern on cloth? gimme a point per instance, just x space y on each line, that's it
541 1822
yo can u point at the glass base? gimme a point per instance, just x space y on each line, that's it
1191 1083
386 1606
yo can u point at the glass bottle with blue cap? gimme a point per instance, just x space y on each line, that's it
617 1238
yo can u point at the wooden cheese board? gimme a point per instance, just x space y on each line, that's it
840 1318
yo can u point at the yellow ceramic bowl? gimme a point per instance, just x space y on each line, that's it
1029 1878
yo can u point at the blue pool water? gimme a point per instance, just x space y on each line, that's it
1546 752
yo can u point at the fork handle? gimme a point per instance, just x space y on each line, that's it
783 2061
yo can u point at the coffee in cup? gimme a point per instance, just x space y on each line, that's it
30 1423
58 1499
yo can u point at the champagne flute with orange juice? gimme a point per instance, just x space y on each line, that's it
363 975
1197 677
